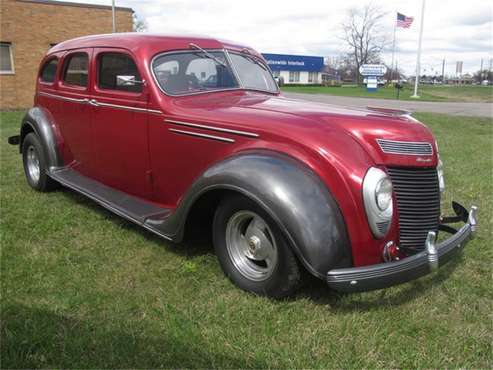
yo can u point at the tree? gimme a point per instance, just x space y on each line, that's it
363 35
139 25
485 74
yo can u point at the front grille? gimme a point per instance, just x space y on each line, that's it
418 201
405 147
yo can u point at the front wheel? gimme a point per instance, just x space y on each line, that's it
252 250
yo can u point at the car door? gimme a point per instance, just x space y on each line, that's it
120 123
72 113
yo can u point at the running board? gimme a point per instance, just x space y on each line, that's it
122 204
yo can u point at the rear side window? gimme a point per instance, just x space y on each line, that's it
76 70
112 65
48 72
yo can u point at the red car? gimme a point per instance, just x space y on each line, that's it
169 132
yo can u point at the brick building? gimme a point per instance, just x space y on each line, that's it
30 27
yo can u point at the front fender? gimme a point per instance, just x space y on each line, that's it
40 121
294 197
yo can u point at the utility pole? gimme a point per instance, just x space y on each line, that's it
481 72
113 15
418 61
443 71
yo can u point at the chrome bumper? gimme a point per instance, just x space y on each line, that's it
382 275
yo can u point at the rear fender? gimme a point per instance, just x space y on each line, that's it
40 121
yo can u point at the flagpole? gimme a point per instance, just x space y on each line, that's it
418 61
393 51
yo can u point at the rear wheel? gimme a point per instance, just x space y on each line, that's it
252 250
35 164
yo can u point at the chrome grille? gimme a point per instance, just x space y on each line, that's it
405 147
418 202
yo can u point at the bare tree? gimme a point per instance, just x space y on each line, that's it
139 25
363 35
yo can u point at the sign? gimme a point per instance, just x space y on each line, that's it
371 83
284 62
372 69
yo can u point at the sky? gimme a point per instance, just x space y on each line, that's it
454 30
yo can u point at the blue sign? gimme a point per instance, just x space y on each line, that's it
283 62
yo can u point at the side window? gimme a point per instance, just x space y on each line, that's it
112 65
48 72
76 70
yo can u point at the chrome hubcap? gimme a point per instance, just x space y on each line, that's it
33 164
251 245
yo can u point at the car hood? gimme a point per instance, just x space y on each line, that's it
308 120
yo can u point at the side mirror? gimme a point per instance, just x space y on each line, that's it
124 80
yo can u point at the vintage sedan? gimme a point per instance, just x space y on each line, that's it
169 132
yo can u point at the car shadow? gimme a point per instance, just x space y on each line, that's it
318 292
34 337
199 242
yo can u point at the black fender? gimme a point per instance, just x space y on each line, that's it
40 121
293 195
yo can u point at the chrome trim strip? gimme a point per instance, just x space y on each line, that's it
96 103
73 100
205 136
126 107
212 128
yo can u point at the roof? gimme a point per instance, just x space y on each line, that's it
79 5
152 43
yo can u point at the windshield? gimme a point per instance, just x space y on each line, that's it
253 73
201 71
185 73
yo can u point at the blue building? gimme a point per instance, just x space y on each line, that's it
296 69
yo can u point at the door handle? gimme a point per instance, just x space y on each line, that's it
93 102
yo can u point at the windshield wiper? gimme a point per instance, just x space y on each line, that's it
208 55
253 58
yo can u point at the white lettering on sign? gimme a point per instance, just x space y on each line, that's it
284 62
372 69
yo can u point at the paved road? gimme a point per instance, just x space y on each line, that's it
456 109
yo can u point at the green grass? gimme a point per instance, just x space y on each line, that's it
426 92
83 288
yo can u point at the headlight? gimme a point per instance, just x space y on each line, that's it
441 178
377 196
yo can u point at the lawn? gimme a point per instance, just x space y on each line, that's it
426 92
83 288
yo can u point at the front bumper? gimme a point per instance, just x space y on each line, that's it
383 275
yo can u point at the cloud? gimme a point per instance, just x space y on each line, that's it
453 29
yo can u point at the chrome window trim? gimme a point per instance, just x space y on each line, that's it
204 136
203 92
213 128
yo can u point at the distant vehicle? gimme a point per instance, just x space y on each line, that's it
169 132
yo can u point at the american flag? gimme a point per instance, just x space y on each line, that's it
403 21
